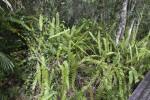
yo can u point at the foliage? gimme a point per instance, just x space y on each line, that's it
5 63
76 63
11 45
64 58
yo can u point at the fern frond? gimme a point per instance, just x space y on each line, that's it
41 22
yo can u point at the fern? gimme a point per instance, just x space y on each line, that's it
41 22
64 55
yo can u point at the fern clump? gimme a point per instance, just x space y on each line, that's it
72 63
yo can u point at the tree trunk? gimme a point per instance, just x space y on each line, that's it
132 21
131 26
122 25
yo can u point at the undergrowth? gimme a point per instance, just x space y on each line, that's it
81 63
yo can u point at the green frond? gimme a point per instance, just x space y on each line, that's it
5 62
41 22
15 20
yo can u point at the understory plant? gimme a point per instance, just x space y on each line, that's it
79 63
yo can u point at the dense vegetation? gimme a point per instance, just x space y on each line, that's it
73 49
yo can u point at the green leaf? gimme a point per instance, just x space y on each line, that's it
91 82
16 21
136 77
110 53
80 28
66 73
112 27
93 37
130 77
65 31
41 22
49 95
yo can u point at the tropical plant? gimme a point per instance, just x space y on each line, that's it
84 61
64 57
5 63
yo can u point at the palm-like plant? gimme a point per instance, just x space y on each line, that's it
5 65
5 62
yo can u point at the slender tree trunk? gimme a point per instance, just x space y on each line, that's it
132 21
122 25
131 26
